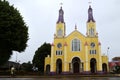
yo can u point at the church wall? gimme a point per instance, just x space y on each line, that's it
87 54
80 54
47 62
75 35
58 56
97 55
105 60
72 54
60 26
91 25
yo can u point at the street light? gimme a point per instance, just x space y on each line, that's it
108 57
108 52
16 57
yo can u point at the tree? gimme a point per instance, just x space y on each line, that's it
40 54
13 31
117 69
27 66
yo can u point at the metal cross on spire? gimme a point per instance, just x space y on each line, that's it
61 4
90 2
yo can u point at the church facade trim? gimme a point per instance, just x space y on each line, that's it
76 53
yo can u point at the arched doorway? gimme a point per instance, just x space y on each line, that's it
76 65
93 65
58 66
47 69
104 67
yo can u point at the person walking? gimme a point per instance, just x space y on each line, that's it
12 71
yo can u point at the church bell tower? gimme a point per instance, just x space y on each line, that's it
91 25
60 25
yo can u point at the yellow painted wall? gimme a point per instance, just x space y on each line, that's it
84 53
47 61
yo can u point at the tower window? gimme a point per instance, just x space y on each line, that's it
91 32
75 45
60 32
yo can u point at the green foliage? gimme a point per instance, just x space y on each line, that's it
117 69
40 54
27 66
13 31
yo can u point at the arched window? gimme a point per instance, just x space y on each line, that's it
60 32
91 32
75 45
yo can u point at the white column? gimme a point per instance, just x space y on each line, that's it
52 58
86 56
65 56
100 59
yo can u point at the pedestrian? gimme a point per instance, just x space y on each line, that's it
12 71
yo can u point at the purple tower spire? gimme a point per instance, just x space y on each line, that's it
90 15
61 16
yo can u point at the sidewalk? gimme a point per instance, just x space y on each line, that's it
54 76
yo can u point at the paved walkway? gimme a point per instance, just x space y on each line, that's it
55 76
60 78
76 78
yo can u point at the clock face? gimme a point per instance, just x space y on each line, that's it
59 45
92 45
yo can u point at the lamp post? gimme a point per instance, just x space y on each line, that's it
19 65
16 62
16 57
108 58
108 52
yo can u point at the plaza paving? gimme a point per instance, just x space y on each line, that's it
65 78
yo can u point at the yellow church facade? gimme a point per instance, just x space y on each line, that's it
76 53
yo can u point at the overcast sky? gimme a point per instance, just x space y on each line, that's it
41 16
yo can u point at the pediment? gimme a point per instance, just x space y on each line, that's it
76 33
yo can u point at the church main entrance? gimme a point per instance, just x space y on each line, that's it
93 66
59 66
76 65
